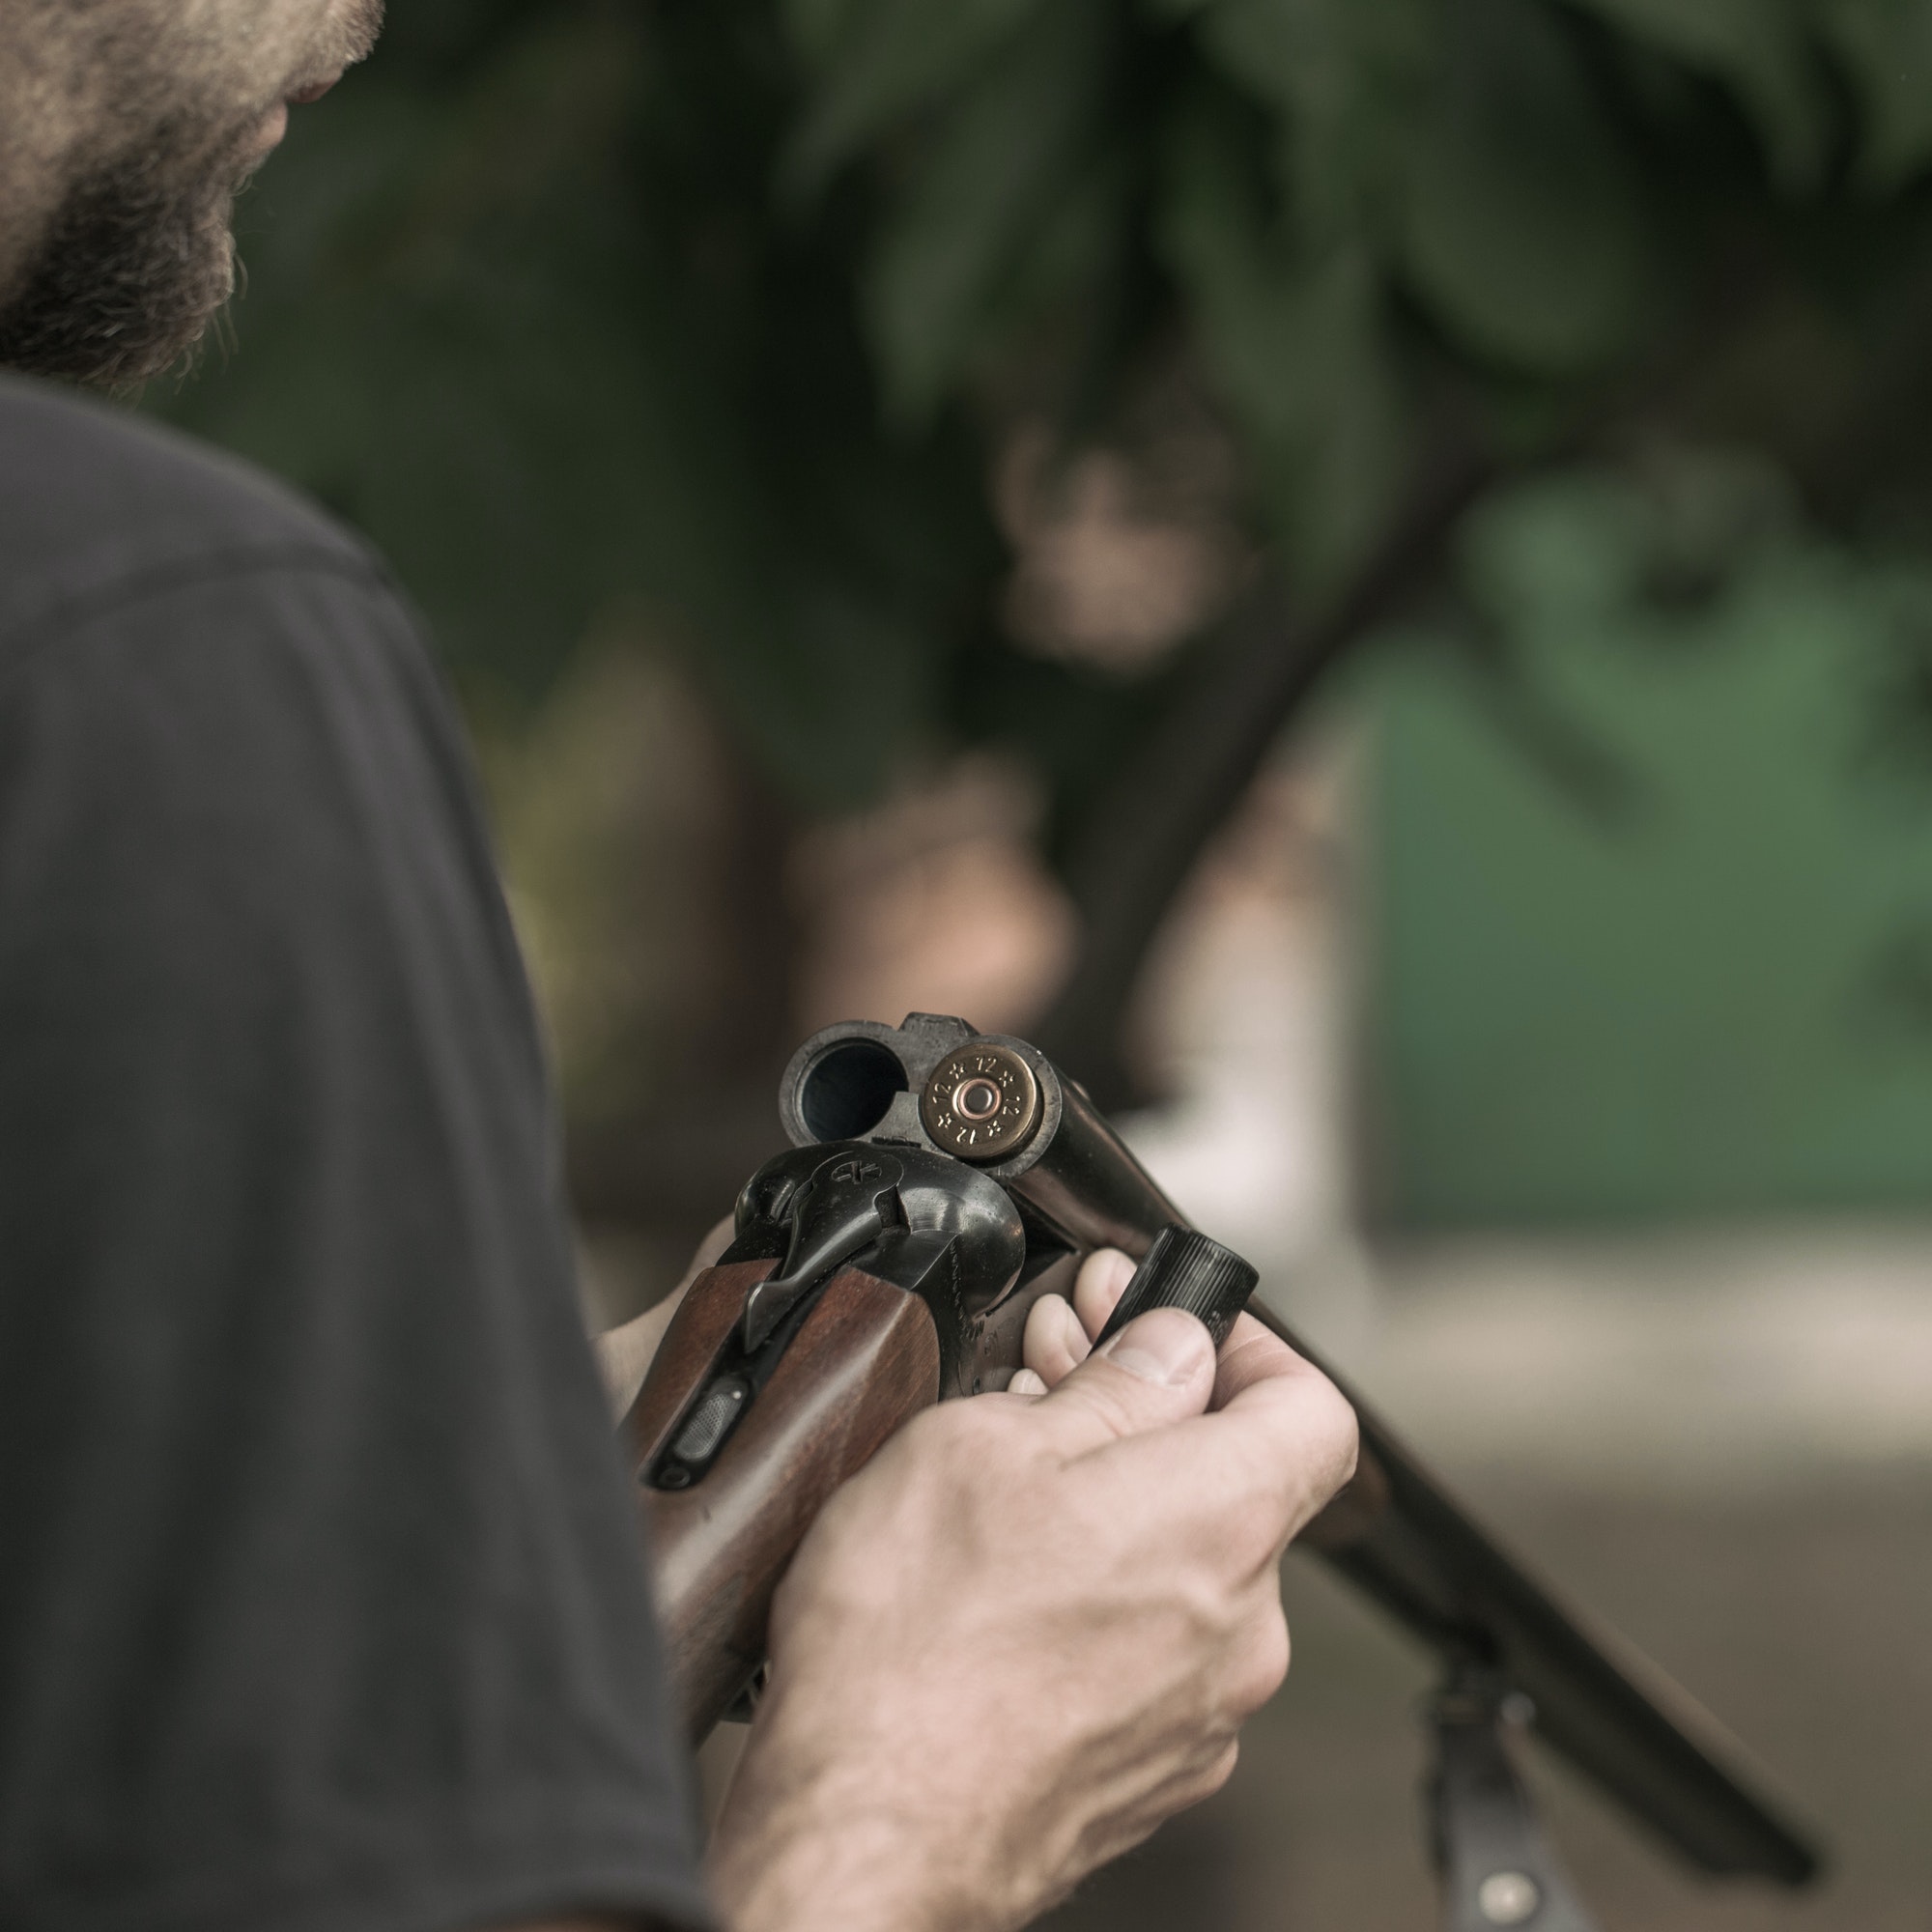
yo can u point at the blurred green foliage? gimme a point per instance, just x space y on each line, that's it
1722 1008
720 311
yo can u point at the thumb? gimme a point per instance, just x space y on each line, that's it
1159 1369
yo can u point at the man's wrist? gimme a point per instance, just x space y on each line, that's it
809 1848
852 1875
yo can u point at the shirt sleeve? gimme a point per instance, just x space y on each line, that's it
320 1601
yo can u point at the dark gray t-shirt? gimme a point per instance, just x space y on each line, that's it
320 1604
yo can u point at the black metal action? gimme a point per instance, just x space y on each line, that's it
845 1203
923 1222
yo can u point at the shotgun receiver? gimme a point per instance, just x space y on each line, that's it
939 1181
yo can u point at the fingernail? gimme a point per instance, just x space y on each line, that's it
1163 1345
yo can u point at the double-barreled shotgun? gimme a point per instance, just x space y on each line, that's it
939 1182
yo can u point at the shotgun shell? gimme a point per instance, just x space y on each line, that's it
981 1102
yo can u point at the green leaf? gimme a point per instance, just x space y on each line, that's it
819 27
1007 167
879 61
1522 229
1296 346
1344 77
1887 47
1759 50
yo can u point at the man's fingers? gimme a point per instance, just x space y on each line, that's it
1295 1435
1249 1477
1102 1280
1289 1418
1059 1337
1159 1369
1055 1343
1250 1353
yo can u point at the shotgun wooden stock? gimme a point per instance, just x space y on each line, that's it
865 1360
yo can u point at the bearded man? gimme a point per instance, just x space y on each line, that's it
320 1606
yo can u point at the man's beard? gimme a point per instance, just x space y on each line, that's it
136 263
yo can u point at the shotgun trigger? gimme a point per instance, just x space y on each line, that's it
844 1206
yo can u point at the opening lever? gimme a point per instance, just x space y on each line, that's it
843 1205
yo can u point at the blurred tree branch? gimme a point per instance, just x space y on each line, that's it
1167 801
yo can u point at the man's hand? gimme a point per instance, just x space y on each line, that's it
1029 1628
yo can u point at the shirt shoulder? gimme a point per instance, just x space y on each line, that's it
321 1602
97 506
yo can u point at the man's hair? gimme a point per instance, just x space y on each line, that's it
136 262
126 130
